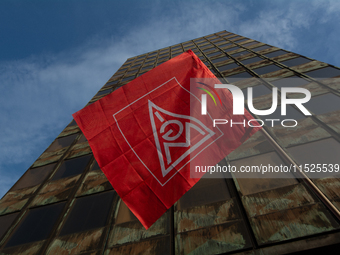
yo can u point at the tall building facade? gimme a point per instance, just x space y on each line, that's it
64 204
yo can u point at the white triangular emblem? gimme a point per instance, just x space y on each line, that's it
190 123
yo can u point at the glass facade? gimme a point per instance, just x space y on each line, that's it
64 204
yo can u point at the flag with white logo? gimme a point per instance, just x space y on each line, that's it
147 134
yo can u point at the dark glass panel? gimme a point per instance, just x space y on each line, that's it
275 53
72 167
73 123
266 69
295 61
37 225
241 53
259 90
88 213
216 60
103 92
214 54
146 68
238 77
128 78
261 48
249 44
62 142
34 176
291 113
82 139
111 83
224 45
205 191
324 73
5 222
95 166
231 49
293 81
227 67
323 104
251 60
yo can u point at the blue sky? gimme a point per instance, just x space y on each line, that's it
55 55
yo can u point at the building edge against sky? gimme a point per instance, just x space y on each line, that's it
65 204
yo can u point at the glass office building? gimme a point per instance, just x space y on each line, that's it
64 204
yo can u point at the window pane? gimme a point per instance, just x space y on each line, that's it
95 166
323 73
72 167
251 60
323 104
5 222
205 191
124 214
227 67
214 54
275 53
62 142
266 69
37 225
34 176
241 53
103 92
249 44
73 123
259 90
88 213
216 60
238 77
261 48
231 49
293 81
295 61
291 113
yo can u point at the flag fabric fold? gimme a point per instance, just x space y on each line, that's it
146 135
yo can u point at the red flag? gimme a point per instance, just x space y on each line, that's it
146 134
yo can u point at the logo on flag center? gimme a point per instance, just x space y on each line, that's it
178 138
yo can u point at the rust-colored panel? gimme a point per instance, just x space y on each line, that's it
332 120
77 243
278 73
293 223
49 157
333 83
55 191
276 200
309 66
205 216
133 231
95 181
157 246
213 240
15 200
255 145
330 186
26 249
306 131
79 150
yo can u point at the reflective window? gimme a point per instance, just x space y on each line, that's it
224 45
88 213
241 40
227 67
236 37
323 104
146 68
323 73
5 222
293 81
111 83
238 77
34 176
128 78
253 182
62 142
36 225
275 53
95 166
324 151
259 90
205 191
231 49
261 48
82 139
72 167
249 44
73 123
291 113
295 61
214 54
251 60
266 69
241 53
216 60
103 92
